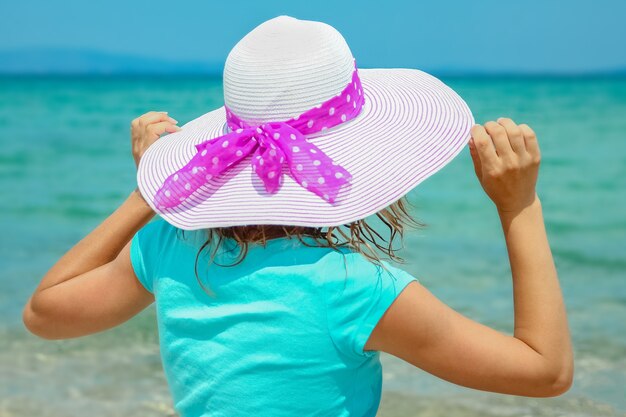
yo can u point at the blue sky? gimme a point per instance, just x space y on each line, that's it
489 35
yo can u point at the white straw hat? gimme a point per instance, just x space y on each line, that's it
409 125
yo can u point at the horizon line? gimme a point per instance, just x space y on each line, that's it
107 63
436 73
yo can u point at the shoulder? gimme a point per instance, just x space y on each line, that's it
157 234
357 295
361 265
349 270
158 227
150 244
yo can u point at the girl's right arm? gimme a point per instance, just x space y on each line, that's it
537 360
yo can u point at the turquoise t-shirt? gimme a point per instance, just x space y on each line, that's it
283 334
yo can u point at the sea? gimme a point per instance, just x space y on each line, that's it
66 164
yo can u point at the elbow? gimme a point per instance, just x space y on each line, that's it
560 381
563 382
29 318
34 323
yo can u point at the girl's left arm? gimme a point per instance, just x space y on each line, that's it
93 286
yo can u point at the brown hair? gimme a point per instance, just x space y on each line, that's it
360 237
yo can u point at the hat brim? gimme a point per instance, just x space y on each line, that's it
410 127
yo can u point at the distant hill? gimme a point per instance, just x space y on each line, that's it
60 61
43 61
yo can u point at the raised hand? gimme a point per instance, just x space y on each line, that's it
506 159
147 128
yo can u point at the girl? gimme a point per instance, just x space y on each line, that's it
263 312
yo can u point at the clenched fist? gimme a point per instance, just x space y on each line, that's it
147 128
506 160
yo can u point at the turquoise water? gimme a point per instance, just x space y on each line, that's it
65 165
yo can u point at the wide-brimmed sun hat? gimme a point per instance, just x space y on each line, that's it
305 137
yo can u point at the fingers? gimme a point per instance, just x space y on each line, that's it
513 131
500 139
512 141
172 128
152 117
153 124
475 158
157 129
485 148
530 141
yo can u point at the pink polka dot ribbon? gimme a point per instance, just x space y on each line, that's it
272 145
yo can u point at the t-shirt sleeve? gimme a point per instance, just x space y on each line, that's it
356 301
145 250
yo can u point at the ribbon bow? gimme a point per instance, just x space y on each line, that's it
272 145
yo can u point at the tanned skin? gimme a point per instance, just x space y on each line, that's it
93 287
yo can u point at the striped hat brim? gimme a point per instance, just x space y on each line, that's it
411 126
